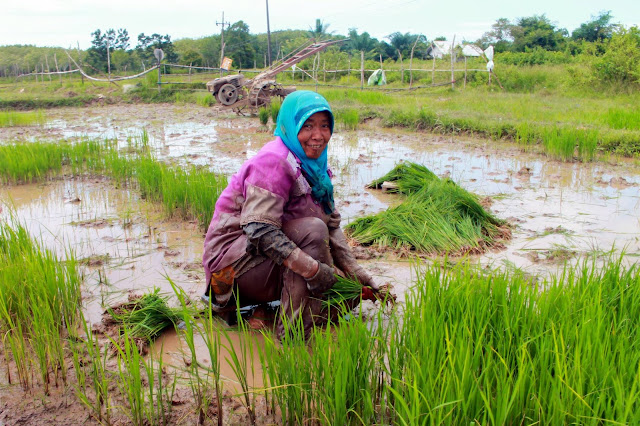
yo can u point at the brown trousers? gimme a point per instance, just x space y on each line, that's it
268 281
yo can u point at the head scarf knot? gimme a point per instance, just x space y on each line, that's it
295 110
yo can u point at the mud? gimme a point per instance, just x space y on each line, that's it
559 212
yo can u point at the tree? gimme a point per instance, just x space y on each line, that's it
147 44
536 31
319 32
598 29
97 53
362 42
402 44
499 36
621 61
239 44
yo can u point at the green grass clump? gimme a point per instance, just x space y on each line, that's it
437 216
36 161
471 347
349 118
263 116
16 119
343 290
189 193
274 109
39 301
147 316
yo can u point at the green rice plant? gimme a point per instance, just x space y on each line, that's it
274 109
475 347
93 366
349 118
241 362
39 297
622 118
205 100
131 379
437 216
212 340
263 115
288 370
20 119
198 382
160 394
144 318
343 290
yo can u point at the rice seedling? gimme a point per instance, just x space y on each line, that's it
188 194
349 118
437 216
198 382
212 341
274 110
475 347
19 119
143 319
263 116
131 379
94 368
39 297
343 290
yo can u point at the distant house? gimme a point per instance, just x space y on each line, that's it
440 48
472 50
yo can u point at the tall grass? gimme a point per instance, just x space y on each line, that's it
437 216
348 118
16 119
185 193
39 299
476 348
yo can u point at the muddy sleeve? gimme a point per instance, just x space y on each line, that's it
269 240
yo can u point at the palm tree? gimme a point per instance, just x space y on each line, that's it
320 31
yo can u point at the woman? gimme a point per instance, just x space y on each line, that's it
275 234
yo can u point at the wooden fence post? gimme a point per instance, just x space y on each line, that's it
433 71
453 59
361 69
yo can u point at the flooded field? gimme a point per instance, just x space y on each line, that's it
559 211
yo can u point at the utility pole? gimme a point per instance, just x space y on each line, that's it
268 37
222 41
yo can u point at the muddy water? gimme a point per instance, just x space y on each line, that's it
558 210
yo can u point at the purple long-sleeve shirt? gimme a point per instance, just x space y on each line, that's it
269 188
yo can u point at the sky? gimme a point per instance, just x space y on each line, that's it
69 23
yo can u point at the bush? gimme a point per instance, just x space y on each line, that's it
621 61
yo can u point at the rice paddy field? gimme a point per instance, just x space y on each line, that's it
103 213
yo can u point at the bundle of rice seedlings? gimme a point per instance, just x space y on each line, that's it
437 216
145 317
344 290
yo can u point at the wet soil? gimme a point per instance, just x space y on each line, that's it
559 212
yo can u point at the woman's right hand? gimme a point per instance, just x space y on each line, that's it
323 279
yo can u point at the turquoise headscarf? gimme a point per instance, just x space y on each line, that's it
295 110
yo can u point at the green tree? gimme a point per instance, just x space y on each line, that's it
599 28
147 44
320 31
621 60
360 42
537 31
240 45
499 36
111 40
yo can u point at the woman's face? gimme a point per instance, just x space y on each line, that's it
315 133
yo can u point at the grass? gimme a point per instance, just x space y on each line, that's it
20 119
469 346
475 348
437 216
39 296
189 193
146 317
348 118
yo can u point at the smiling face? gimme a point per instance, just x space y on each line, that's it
315 133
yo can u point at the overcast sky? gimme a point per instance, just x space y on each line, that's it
65 23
